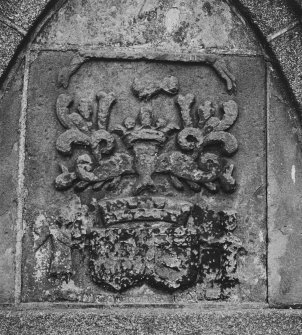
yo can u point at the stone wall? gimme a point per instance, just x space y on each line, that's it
151 157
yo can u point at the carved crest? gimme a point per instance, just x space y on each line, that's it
190 164
145 237
165 243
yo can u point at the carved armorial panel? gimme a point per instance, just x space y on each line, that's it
144 237
146 174
145 168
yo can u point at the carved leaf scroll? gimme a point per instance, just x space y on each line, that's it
189 165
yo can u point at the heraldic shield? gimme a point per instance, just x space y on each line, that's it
169 253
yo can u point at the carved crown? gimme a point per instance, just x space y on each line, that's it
144 210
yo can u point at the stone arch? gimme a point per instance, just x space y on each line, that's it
277 24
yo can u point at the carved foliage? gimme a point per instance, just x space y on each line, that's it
191 164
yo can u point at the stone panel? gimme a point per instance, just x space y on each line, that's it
170 209
9 121
284 199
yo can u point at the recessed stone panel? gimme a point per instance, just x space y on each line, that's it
146 178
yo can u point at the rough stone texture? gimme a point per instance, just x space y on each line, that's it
9 40
269 16
172 25
159 321
288 50
23 13
284 199
10 105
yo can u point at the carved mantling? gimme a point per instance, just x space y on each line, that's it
189 164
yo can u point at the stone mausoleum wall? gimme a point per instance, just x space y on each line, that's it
151 171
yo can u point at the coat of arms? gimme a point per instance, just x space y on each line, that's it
167 242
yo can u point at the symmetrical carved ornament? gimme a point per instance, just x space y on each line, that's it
189 164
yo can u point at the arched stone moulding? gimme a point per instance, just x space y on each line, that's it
278 28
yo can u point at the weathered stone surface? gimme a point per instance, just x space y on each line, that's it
288 49
284 199
269 16
172 25
9 40
23 13
162 256
10 106
157 321
134 135
217 29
